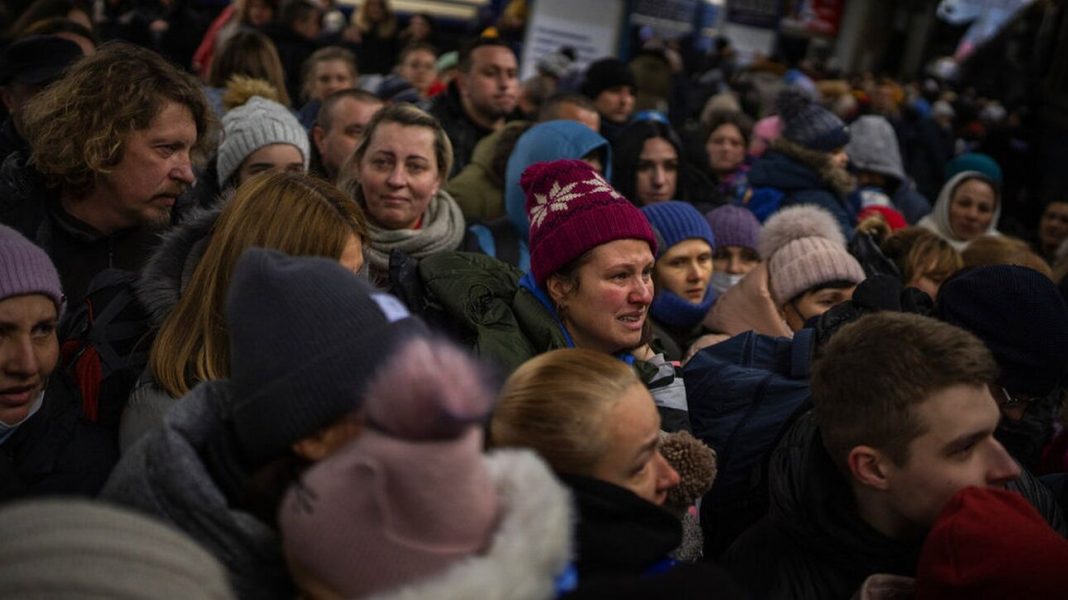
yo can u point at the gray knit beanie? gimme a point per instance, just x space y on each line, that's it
26 269
873 147
306 336
257 123
74 549
809 124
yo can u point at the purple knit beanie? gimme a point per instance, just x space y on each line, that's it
572 209
734 226
26 269
412 495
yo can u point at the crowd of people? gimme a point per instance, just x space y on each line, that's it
300 306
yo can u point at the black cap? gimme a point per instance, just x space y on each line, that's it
38 59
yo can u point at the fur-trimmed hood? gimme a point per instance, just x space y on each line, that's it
790 166
169 269
531 547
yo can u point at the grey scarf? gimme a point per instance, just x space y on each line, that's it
442 231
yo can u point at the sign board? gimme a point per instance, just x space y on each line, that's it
591 27
761 14
668 18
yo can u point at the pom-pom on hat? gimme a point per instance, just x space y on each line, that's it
572 209
676 221
734 226
809 124
413 490
253 125
26 269
306 336
804 247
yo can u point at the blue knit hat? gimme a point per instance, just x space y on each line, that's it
808 124
1020 315
734 226
306 338
675 221
974 161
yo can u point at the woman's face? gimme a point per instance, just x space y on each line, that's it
658 169
419 28
272 157
735 260
419 68
376 10
632 459
331 76
971 209
29 351
813 304
607 309
399 175
726 149
926 281
685 269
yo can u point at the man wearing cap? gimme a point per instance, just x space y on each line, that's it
611 87
107 162
482 97
26 68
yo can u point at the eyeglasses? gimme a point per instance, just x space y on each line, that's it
1005 399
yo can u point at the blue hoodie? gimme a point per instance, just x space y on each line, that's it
552 140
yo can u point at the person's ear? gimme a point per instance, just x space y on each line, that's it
317 137
869 467
558 289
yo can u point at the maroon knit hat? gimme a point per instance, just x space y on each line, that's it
572 209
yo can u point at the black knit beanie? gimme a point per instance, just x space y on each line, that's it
1020 315
306 335
606 74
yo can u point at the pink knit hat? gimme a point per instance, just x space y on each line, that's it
411 496
804 247
572 209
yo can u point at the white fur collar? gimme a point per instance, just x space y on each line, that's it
532 545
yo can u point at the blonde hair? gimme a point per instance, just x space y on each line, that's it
917 251
1003 250
251 54
555 404
386 27
290 212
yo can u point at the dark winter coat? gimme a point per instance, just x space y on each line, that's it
166 476
56 451
462 131
805 177
813 544
78 251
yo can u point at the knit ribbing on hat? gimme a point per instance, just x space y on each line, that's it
677 221
306 337
26 269
804 247
734 226
413 488
254 125
65 548
572 210
1020 315
809 124
873 147
606 74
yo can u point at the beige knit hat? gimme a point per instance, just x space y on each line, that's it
67 549
804 247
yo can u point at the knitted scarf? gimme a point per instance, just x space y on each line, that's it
443 230
679 313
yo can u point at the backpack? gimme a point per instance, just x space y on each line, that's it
104 345
763 202
743 394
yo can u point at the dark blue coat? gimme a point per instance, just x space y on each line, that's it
801 184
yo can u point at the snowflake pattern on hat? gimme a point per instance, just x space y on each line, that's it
558 197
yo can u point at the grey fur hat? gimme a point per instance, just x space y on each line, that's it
257 123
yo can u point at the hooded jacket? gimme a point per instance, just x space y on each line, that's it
477 188
164 277
873 147
552 140
938 220
166 477
805 177
813 544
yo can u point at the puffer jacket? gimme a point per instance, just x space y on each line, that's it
478 189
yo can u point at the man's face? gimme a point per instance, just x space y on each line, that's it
956 450
615 104
491 88
349 119
1053 227
155 169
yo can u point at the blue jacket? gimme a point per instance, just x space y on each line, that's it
796 172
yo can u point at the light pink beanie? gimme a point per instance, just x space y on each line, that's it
804 247
409 497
